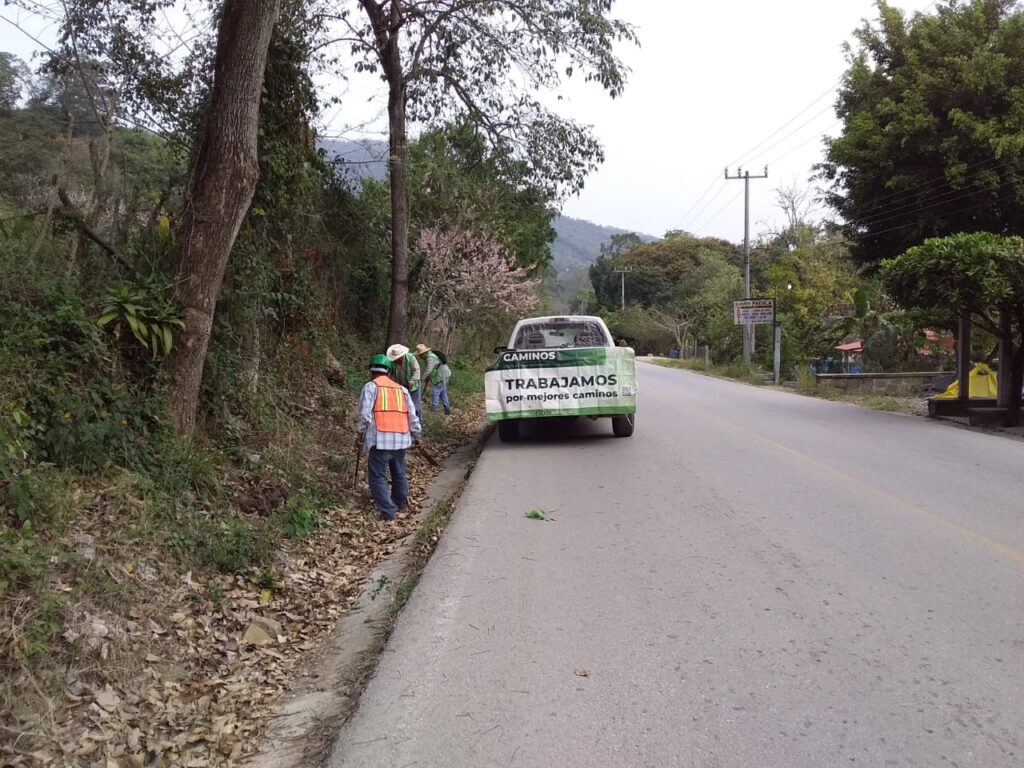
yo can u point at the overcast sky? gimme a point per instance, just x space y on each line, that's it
710 82
713 84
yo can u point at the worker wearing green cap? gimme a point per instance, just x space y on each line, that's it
387 426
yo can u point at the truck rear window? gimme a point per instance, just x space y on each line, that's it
564 335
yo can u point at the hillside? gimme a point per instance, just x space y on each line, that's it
578 242
577 245
362 159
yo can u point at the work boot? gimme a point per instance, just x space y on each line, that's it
447 411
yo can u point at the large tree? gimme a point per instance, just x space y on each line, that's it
13 75
449 59
980 275
656 271
933 134
224 175
457 182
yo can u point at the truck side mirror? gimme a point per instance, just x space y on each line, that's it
499 350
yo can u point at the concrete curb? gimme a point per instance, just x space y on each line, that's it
304 727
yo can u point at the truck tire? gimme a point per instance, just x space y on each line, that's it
508 431
624 425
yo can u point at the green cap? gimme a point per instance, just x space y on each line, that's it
380 364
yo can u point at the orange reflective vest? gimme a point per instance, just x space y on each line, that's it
390 411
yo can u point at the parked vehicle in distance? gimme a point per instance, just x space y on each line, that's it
562 366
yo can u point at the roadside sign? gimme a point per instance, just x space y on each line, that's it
753 312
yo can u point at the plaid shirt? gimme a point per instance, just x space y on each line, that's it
367 426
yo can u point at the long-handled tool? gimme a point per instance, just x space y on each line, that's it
359 453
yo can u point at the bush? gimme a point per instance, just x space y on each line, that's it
233 545
806 381
62 384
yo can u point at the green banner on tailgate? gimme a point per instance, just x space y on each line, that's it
599 381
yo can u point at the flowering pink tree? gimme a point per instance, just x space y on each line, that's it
469 280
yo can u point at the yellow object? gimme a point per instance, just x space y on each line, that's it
982 382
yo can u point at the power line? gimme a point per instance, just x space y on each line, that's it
702 196
936 182
797 129
745 157
712 199
898 213
815 137
721 210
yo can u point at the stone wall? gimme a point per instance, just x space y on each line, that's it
899 384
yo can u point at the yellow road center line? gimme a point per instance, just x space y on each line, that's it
925 514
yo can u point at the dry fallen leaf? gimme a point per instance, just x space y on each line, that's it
580 672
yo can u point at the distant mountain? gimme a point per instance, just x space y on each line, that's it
578 242
363 159
577 245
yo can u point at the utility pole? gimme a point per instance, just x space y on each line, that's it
748 330
622 272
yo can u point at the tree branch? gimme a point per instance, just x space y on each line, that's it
72 214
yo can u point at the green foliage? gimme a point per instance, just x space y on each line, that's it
486 61
23 558
810 281
457 182
656 269
13 75
401 593
41 628
687 287
980 274
142 167
147 309
66 400
302 518
232 545
932 130
806 381
976 272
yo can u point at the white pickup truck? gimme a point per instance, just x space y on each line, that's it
561 367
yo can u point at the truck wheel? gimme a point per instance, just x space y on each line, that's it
508 431
624 425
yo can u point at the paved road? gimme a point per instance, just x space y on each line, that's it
754 579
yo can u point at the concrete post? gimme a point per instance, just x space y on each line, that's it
778 352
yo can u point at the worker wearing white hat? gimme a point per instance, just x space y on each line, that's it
406 371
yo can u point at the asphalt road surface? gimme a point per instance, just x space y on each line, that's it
753 579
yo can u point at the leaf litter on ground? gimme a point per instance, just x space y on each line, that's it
181 687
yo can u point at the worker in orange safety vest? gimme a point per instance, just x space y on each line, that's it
387 426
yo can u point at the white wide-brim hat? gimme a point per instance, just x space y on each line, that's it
396 351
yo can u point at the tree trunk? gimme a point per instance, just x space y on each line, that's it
99 156
399 219
223 180
392 64
1016 372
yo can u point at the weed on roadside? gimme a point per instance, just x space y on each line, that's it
807 381
401 593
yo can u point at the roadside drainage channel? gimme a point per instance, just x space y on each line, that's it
304 727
